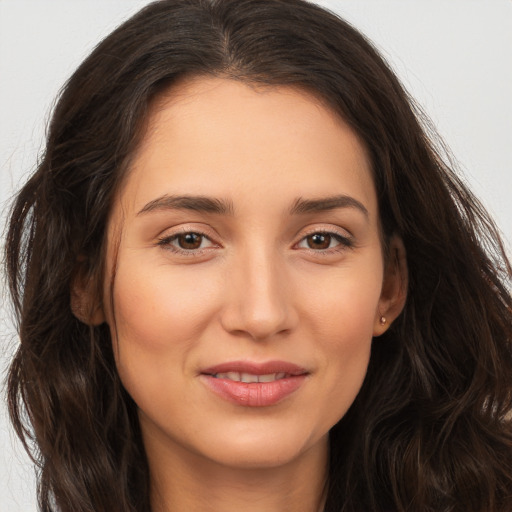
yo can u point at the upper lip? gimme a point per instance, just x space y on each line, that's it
255 368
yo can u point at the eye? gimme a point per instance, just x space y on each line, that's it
324 240
186 242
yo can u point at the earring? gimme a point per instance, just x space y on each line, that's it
382 320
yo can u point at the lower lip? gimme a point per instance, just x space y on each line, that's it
254 394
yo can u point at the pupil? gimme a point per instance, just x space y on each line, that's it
319 241
190 241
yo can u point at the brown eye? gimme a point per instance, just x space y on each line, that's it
319 241
189 241
325 242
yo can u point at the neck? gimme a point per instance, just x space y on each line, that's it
192 484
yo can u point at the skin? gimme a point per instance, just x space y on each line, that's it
258 287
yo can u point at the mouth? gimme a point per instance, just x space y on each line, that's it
236 370
254 384
251 377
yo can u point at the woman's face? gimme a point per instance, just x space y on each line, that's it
250 276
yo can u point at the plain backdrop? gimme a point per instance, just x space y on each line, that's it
455 58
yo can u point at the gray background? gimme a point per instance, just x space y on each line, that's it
455 57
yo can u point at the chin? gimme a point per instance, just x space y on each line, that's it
260 450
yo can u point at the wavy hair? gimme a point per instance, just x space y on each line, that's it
430 429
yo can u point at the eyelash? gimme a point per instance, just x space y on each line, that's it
166 242
344 242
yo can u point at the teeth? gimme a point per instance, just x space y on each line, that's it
249 377
267 378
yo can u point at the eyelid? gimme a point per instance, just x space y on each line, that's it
165 240
327 228
344 237
188 227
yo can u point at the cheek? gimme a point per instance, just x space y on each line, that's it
158 321
157 307
342 317
344 304
344 338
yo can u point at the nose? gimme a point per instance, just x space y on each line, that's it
259 302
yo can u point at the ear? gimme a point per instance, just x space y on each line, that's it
86 304
394 287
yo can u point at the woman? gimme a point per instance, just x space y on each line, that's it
246 280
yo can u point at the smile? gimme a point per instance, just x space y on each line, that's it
250 384
249 377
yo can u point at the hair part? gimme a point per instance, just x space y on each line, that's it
430 429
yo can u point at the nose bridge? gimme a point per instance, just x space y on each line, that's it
259 302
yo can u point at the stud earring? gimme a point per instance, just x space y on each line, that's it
382 320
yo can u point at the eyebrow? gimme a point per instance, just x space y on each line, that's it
303 206
207 204
195 203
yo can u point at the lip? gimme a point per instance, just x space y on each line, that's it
256 368
254 394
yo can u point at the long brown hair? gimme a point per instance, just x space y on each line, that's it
430 429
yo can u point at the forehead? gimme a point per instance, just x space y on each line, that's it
219 137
